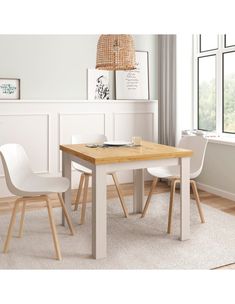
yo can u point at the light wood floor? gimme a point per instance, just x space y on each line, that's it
225 205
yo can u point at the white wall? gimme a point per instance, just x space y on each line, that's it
218 174
55 66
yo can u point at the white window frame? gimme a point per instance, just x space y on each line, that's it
219 81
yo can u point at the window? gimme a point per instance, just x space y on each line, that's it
214 83
206 93
229 40
229 92
208 42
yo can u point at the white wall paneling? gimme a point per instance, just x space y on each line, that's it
80 123
140 124
41 126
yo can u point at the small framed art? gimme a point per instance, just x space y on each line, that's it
9 88
98 85
134 84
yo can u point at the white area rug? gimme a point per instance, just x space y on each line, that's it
133 243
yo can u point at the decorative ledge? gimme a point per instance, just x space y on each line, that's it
222 141
76 101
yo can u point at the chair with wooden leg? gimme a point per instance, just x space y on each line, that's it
29 187
198 145
86 174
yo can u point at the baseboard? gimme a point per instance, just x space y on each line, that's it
217 191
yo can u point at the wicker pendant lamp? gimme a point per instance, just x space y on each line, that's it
115 52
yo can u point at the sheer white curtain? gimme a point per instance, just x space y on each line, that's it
167 89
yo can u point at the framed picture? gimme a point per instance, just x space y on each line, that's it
9 88
134 84
98 85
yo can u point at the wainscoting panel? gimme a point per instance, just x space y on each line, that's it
138 124
40 126
80 123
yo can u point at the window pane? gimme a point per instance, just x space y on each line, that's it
208 42
230 40
206 93
229 92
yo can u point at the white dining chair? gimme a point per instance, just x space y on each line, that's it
87 173
198 145
28 186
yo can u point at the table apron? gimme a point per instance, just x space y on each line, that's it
131 165
81 161
141 164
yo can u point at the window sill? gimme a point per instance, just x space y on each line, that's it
222 140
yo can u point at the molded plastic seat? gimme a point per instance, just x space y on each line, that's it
20 178
21 181
39 185
195 143
198 145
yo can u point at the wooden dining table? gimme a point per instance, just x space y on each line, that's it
102 160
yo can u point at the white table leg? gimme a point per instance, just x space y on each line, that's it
66 172
138 199
185 198
99 213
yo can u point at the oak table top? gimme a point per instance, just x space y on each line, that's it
107 155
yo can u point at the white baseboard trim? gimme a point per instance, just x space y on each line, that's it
217 191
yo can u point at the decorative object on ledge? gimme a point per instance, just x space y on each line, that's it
9 88
98 86
134 84
115 52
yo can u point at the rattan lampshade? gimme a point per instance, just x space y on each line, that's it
115 52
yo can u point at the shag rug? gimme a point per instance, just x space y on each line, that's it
133 243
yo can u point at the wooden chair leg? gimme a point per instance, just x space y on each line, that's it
22 219
79 192
66 214
125 210
154 184
196 196
53 230
84 200
10 228
172 194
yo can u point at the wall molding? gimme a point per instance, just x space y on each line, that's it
55 117
216 191
77 114
133 113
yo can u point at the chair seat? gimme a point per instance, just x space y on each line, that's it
39 185
168 172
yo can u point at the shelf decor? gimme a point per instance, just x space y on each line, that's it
134 84
98 86
9 88
115 52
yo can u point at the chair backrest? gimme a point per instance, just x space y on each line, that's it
16 166
198 145
88 138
